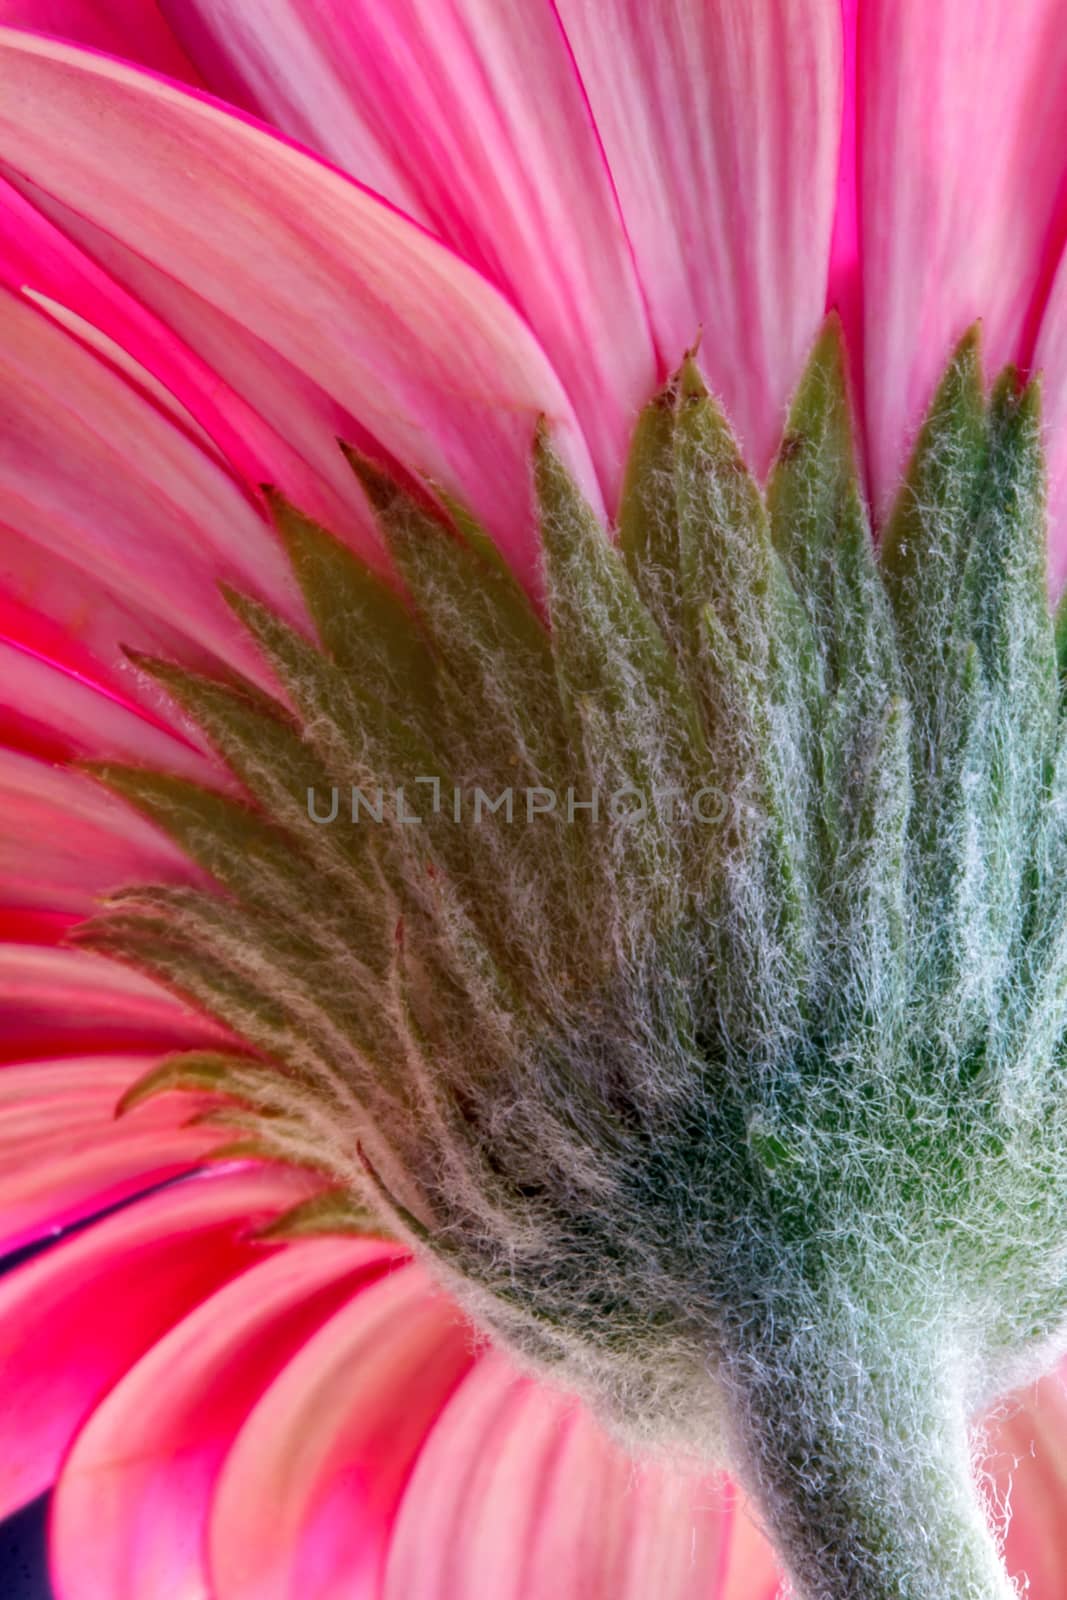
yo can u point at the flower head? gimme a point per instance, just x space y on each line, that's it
658 936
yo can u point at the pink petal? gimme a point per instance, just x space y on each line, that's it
163 522
58 706
307 1496
1030 1463
73 1320
389 322
59 1002
964 209
65 841
518 1494
131 1506
131 28
65 598
482 131
64 1156
38 257
720 123
750 1570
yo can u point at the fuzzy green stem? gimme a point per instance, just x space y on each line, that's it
864 1473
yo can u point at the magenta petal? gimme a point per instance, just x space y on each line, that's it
61 709
133 28
131 1506
72 1321
416 344
1027 1459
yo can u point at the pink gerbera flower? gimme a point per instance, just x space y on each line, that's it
442 1202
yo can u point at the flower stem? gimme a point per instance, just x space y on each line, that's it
863 1471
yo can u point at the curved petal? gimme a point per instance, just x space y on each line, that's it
309 1491
518 1493
162 523
57 595
63 1155
270 429
415 343
721 128
131 1506
963 198
73 1320
61 709
64 841
476 124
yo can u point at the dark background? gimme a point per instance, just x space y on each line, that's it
23 1557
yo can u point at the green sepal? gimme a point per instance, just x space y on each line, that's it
490 647
226 837
197 1072
925 543
605 644
633 722
648 514
364 623
333 1212
356 734
749 649
257 738
1060 630
695 1113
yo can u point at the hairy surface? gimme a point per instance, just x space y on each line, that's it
738 1106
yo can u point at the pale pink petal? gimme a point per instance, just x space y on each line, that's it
476 124
414 342
73 1320
518 1493
295 450
1028 1457
63 1154
131 1506
95 473
65 842
307 70
750 1569
963 128
308 1494
132 28
720 123
60 1002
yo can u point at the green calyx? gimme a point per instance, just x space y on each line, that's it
691 985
